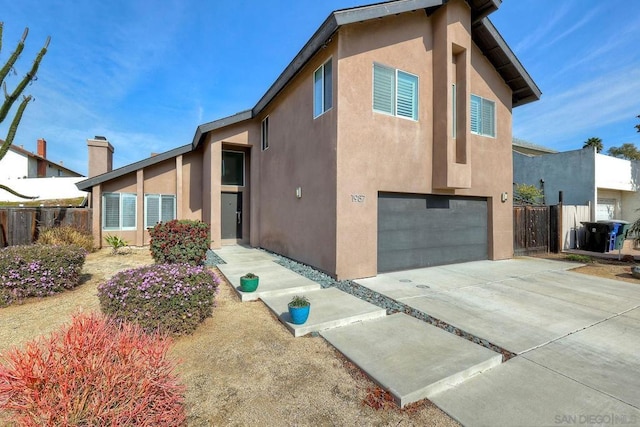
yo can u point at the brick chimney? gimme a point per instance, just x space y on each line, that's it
100 156
42 148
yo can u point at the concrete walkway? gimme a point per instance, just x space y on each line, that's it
577 338
406 356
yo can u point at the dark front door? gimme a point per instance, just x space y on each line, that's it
232 215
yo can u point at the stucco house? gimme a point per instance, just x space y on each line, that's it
33 174
384 145
19 163
607 184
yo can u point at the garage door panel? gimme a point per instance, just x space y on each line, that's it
424 230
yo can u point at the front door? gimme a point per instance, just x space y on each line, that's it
232 215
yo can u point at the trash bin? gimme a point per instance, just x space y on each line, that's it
617 233
597 236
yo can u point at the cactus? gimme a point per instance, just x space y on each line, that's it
10 98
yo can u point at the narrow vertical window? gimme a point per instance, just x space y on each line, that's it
264 133
454 112
322 89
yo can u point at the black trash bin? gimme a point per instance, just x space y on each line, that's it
597 236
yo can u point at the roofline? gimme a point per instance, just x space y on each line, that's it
357 14
39 157
493 31
87 184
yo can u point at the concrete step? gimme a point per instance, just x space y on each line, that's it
410 358
235 254
330 308
274 280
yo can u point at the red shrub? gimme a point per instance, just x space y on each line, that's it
92 373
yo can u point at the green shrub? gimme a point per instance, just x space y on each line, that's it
585 259
171 298
180 242
116 242
94 372
38 271
66 235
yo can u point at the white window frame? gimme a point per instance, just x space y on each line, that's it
122 197
482 103
264 133
160 198
323 84
416 114
244 169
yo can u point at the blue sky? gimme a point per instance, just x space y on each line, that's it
145 73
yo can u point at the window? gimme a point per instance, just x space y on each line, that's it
322 89
158 208
264 133
395 92
119 211
483 116
454 112
233 168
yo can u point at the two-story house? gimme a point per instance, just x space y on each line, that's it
384 145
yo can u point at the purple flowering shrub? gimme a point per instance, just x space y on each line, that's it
38 271
170 298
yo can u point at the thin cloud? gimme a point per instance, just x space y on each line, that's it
542 32
587 107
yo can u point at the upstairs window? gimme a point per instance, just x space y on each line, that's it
159 208
483 116
322 89
119 211
264 133
395 92
233 168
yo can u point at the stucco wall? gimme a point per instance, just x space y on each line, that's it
14 166
572 172
161 178
380 153
301 153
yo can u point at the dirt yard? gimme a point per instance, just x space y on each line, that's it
241 367
601 267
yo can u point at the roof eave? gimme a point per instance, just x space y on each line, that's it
88 184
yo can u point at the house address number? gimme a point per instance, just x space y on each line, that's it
357 198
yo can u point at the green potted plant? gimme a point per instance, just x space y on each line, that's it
299 309
249 282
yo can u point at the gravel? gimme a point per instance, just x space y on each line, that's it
392 306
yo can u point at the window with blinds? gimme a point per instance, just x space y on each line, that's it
395 92
119 211
483 116
159 208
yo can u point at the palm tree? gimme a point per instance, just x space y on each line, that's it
593 142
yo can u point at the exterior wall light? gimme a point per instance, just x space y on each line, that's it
504 197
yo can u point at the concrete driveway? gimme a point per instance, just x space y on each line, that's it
577 340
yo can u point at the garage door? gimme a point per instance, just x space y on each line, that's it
424 230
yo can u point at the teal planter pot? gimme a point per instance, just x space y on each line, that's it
249 284
299 315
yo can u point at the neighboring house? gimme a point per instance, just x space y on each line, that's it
384 145
32 174
529 148
608 184
19 163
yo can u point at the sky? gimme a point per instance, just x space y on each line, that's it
146 73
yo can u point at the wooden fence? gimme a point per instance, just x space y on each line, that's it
20 226
531 229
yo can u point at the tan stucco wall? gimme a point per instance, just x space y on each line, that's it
391 154
161 178
301 153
